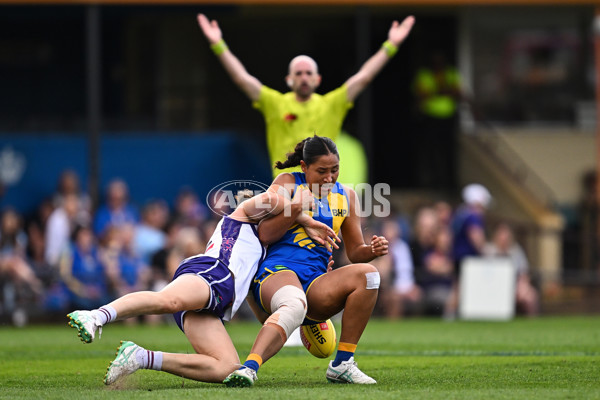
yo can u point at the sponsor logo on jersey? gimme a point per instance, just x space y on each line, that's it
339 212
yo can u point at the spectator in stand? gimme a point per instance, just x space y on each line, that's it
13 248
117 210
55 298
149 236
19 284
187 242
423 239
468 223
60 227
504 245
36 243
127 270
398 291
468 227
42 214
82 273
68 185
443 211
438 268
189 211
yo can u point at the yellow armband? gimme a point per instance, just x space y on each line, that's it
219 47
390 48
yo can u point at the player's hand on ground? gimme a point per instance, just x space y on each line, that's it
379 245
399 31
322 234
210 28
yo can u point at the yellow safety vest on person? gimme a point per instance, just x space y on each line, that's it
437 105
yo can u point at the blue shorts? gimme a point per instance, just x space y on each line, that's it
306 275
219 279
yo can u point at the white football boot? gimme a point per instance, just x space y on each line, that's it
244 377
124 364
348 372
86 325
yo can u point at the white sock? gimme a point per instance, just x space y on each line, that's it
149 359
105 314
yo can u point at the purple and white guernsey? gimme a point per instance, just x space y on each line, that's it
235 244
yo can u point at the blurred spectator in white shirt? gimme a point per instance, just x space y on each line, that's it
60 227
504 245
398 289
68 185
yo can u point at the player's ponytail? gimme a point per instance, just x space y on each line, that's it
308 151
294 158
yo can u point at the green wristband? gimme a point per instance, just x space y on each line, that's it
390 48
219 47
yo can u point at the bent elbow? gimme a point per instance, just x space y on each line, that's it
354 259
360 256
266 238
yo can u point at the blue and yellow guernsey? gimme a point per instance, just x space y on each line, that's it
296 250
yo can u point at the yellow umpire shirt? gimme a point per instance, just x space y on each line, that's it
289 121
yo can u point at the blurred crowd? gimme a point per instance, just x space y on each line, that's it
421 274
69 256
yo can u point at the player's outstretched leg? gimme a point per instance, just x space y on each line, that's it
86 324
125 363
348 372
131 357
244 377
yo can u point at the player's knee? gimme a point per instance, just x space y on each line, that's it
367 268
371 274
289 309
169 304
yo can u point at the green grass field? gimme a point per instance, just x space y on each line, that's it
545 358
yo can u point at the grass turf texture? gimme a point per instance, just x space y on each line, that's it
545 358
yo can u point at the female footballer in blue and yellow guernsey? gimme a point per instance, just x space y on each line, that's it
295 250
295 284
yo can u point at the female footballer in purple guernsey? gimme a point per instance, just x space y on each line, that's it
205 290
